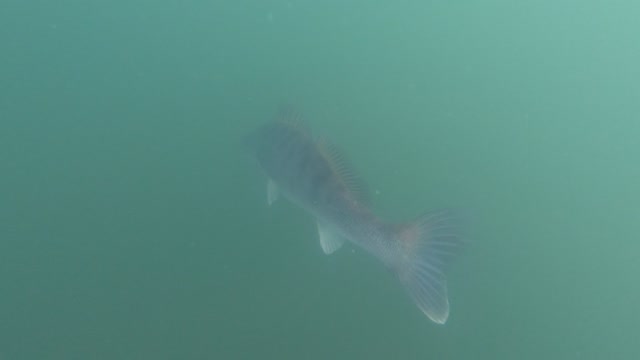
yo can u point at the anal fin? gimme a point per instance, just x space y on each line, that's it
330 241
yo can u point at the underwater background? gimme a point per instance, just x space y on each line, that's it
134 223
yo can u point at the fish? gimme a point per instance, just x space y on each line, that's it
314 175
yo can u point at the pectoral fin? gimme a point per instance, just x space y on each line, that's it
272 192
330 241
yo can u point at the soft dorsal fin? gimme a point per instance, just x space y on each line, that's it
344 170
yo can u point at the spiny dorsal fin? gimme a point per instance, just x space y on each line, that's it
289 115
344 170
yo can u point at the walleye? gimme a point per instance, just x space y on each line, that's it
311 173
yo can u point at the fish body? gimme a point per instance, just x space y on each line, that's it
311 173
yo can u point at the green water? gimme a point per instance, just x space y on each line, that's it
133 224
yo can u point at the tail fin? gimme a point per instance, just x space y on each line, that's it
427 246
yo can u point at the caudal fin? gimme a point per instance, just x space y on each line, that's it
427 245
